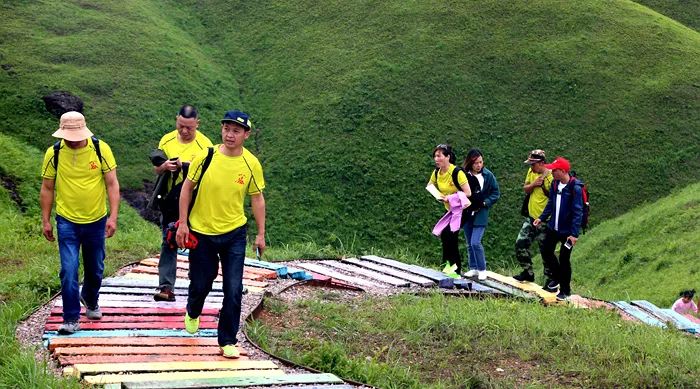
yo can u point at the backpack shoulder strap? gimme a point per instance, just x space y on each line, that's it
56 149
436 178
455 179
96 143
205 166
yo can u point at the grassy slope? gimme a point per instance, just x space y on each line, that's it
351 96
30 264
649 253
447 342
683 11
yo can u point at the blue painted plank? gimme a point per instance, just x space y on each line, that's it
639 314
663 316
204 333
298 274
688 324
280 269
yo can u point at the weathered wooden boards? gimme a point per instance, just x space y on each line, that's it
232 381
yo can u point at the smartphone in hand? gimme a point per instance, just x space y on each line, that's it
568 244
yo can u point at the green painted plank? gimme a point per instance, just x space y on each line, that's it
323 378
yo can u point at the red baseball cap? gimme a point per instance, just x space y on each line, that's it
559 163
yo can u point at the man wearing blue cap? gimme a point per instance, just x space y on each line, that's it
217 221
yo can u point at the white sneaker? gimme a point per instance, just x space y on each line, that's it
471 273
482 275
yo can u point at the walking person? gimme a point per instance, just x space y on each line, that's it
223 175
484 194
448 180
79 171
538 182
564 213
179 147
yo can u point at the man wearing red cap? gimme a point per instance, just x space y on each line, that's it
78 179
564 212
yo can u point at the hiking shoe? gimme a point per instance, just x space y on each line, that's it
471 273
449 269
482 275
68 327
164 294
551 286
92 313
562 297
191 325
230 351
524 277
453 275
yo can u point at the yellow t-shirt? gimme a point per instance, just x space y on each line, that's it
185 151
445 184
218 208
81 195
538 199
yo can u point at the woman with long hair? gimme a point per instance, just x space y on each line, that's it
484 194
444 178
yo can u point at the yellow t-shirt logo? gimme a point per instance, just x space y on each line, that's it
241 179
93 165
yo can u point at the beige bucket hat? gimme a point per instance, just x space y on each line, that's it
72 127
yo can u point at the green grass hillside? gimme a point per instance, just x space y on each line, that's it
350 97
650 253
683 11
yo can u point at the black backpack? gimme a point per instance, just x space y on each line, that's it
57 148
170 204
455 180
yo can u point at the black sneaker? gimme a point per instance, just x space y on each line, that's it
524 277
551 286
562 297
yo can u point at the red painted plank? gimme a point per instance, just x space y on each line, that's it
118 350
96 325
133 341
133 319
139 311
74 359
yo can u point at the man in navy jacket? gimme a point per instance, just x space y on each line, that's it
564 212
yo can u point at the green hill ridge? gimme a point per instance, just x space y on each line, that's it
350 97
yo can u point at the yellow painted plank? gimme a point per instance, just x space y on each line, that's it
178 375
531 287
234 364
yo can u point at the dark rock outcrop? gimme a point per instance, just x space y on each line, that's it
60 102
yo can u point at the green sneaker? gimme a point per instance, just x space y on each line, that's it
449 268
453 274
230 351
191 325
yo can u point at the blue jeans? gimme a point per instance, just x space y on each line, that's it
204 267
71 238
473 235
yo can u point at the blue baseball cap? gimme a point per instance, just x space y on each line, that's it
238 117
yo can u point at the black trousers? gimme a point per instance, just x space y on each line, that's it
450 248
559 267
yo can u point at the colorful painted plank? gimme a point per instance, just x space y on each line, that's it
639 314
75 359
231 364
506 289
422 281
135 319
321 280
148 291
149 281
99 325
248 273
134 341
146 304
422 271
530 287
311 378
334 274
126 350
149 380
368 273
139 311
298 274
149 298
120 333
281 270
663 315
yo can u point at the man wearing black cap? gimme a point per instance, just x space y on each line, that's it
218 223
537 183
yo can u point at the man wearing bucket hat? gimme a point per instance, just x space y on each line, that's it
538 181
78 180
218 222
180 146
564 211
